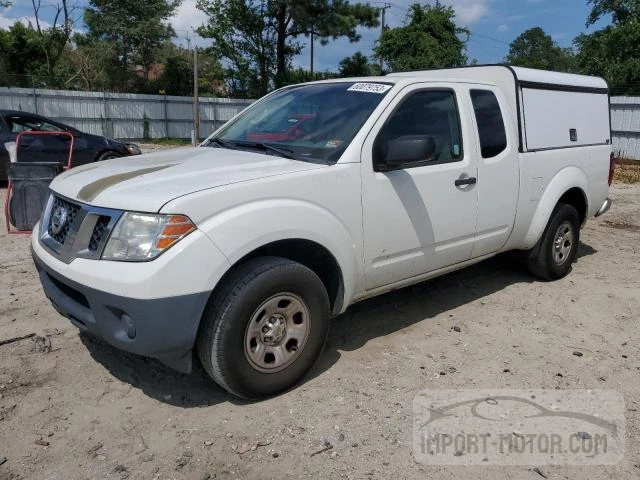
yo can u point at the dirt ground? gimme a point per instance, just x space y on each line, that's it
72 407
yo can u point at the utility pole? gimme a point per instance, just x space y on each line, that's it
196 101
383 11
312 42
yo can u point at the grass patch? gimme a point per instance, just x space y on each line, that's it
627 171
171 142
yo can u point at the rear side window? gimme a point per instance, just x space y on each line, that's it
19 124
493 137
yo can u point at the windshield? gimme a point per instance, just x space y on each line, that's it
307 122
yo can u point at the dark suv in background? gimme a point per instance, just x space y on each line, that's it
87 148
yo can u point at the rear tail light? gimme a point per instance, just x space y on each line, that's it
612 167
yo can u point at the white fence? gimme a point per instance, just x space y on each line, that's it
625 126
130 116
123 115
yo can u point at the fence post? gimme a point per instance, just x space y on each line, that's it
215 114
35 96
166 117
108 120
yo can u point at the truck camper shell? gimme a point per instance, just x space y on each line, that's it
554 110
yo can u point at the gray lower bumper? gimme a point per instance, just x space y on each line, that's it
163 328
605 207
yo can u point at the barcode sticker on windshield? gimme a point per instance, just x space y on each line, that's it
369 87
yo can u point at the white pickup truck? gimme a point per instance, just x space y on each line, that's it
316 197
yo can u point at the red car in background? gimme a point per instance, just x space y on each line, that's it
291 128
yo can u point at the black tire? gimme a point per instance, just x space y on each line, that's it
222 342
549 261
108 156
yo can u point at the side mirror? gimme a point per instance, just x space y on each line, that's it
410 149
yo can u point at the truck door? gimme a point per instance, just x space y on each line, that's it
420 215
498 170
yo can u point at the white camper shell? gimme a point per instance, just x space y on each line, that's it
554 110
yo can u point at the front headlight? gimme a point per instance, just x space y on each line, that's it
133 149
138 237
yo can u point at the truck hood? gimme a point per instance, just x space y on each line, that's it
146 182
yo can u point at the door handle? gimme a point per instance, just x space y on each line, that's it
466 181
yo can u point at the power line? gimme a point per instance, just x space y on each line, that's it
490 38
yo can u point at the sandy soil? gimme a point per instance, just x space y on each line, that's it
72 407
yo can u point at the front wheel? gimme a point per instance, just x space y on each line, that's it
556 250
108 156
264 327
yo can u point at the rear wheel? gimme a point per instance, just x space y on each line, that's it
264 327
556 250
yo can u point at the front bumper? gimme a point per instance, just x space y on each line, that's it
162 328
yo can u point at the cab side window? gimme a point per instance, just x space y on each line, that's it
428 116
493 137
30 124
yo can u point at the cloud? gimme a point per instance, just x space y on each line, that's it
469 11
186 19
503 28
7 22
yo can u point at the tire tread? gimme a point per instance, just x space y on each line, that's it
537 262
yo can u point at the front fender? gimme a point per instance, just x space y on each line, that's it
564 180
244 228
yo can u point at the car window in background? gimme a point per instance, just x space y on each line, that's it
315 122
19 124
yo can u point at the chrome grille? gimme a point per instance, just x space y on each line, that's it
72 212
83 233
99 232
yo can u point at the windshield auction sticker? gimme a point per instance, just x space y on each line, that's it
369 87
518 427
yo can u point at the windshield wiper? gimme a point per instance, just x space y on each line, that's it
267 147
223 143
283 151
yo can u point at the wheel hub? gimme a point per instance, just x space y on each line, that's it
277 332
274 330
562 243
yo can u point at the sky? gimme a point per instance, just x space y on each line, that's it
493 23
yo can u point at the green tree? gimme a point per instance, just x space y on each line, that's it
91 60
135 29
258 38
31 53
177 77
430 38
54 39
614 51
621 11
357 65
23 63
301 75
535 49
